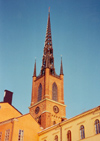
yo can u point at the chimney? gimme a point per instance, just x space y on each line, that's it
8 96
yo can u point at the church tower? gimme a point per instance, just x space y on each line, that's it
47 100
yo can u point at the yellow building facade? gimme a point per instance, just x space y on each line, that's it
46 120
85 126
17 127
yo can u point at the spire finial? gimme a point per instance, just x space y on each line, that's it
49 9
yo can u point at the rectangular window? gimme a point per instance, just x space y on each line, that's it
0 135
7 133
20 136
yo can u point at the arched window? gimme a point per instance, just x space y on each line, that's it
40 92
54 92
69 135
97 126
56 138
82 132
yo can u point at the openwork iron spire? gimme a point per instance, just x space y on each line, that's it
48 59
48 39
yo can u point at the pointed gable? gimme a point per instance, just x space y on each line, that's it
8 111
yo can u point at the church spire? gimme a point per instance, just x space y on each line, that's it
61 68
48 38
48 88
48 59
34 73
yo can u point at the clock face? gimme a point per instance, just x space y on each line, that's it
55 109
37 110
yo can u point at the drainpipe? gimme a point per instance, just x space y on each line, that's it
12 121
12 128
60 132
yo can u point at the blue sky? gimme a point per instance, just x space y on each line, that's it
75 26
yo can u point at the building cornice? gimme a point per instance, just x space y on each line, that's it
48 129
69 120
13 119
81 115
8 121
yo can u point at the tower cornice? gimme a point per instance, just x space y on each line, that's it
47 99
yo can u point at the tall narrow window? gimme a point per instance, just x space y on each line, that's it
20 136
39 120
54 92
7 133
82 132
97 126
69 135
40 92
0 136
56 138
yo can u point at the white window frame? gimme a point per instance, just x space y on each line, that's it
7 134
20 135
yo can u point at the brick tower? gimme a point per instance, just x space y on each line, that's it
47 101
